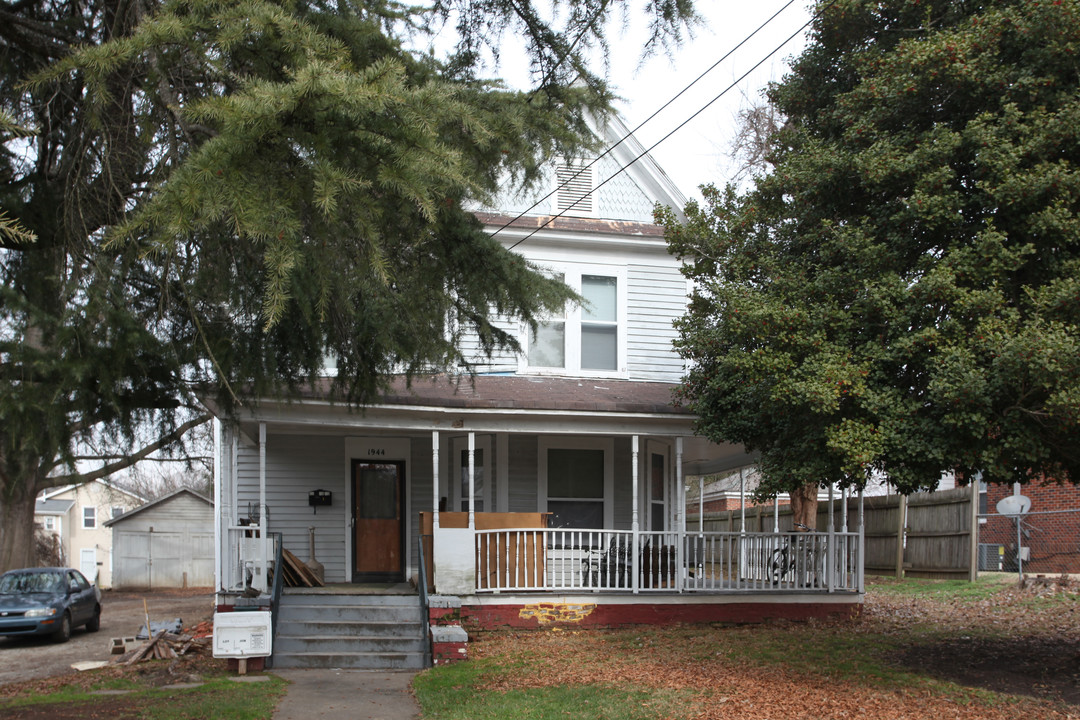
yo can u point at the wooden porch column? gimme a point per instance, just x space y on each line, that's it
680 491
472 478
636 546
742 500
862 547
701 503
434 482
258 581
830 549
219 508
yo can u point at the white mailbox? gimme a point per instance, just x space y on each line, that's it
242 634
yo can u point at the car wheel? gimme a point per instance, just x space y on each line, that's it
94 623
64 633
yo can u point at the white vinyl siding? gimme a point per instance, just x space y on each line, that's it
296 465
500 361
656 296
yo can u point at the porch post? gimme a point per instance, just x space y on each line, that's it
701 503
742 500
434 482
219 509
861 569
472 477
776 513
680 516
258 581
830 550
634 526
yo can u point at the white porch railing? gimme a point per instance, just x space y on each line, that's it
561 560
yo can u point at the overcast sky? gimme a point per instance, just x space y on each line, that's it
698 153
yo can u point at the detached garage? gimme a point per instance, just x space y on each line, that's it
167 543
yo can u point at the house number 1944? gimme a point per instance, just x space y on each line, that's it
376 451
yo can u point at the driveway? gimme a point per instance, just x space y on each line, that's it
122 615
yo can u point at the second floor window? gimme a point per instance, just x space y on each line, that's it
586 338
89 517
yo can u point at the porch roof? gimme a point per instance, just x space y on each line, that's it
536 393
503 403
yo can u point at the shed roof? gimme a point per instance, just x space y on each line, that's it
161 500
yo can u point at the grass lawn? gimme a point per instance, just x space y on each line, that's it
140 694
921 649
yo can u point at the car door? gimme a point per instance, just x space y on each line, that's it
80 597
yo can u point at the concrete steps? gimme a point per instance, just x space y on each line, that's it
371 632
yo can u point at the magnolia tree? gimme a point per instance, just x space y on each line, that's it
218 195
900 293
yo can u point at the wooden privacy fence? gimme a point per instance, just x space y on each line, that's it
925 535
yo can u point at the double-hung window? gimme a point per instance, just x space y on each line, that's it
89 517
590 338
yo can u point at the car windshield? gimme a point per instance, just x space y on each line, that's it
15 583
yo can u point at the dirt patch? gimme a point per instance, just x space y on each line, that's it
122 615
1037 666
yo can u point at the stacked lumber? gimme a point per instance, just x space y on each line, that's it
295 573
165 645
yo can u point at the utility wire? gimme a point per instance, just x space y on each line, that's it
657 112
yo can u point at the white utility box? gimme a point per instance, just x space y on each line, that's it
242 634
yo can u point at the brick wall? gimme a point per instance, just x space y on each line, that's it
1051 532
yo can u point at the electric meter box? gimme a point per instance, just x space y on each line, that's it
242 634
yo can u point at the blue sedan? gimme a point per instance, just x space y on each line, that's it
47 601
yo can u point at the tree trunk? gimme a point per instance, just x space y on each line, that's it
804 505
17 527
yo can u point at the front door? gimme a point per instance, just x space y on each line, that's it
378 529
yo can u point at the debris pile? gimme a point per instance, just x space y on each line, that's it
1043 585
297 574
165 644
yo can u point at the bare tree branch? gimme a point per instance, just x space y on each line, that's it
128 460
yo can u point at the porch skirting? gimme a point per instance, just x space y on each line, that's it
486 612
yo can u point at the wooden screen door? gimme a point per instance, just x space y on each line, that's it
378 533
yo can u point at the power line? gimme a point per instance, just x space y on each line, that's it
657 112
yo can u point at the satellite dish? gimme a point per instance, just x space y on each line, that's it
1014 505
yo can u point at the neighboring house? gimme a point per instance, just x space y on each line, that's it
77 515
554 477
166 543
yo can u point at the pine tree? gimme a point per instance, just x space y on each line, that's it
901 293
221 194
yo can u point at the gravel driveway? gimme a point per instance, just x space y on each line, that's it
122 615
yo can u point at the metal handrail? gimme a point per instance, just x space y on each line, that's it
275 595
422 587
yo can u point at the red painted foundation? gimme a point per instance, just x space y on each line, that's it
546 614
446 653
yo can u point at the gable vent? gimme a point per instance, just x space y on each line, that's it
575 183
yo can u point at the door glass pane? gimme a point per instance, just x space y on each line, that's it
547 346
598 347
600 298
657 477
478 480
376 492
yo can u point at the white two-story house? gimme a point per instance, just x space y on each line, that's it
555 474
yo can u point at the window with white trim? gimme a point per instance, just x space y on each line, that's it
89 517
590 338
50 523
577 482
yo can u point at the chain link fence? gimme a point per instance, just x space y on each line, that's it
1048 542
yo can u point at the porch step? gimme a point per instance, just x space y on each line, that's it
350 631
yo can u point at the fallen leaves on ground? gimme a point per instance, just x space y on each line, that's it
701 661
